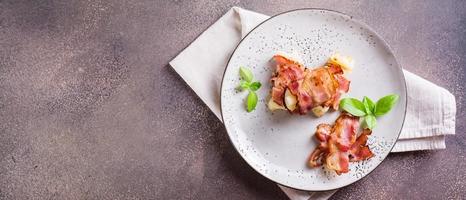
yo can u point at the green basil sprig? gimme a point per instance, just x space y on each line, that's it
247 83
368 109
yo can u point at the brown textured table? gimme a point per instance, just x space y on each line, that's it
90 109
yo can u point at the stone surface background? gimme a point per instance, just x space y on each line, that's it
90 109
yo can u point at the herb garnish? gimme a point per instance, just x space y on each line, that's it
248 84
368 109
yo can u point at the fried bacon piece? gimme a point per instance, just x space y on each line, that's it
359 150
288 75
339 144
319 88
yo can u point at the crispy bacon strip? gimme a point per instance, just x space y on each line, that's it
338 144
345 129
323 135
321 86
287 75
338 161
359 150
343 87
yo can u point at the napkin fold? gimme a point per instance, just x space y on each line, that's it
430 113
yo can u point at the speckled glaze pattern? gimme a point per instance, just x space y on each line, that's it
126 126
277 145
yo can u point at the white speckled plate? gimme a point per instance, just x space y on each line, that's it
278 145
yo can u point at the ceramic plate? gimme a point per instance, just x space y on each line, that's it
277 145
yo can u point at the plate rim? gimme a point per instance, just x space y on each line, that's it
400 71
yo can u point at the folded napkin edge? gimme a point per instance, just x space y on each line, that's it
419 144
203 99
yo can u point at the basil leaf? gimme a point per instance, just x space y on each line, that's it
385 104
370 121
368 105
245 74
255 86
353 106
243 85
251 102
